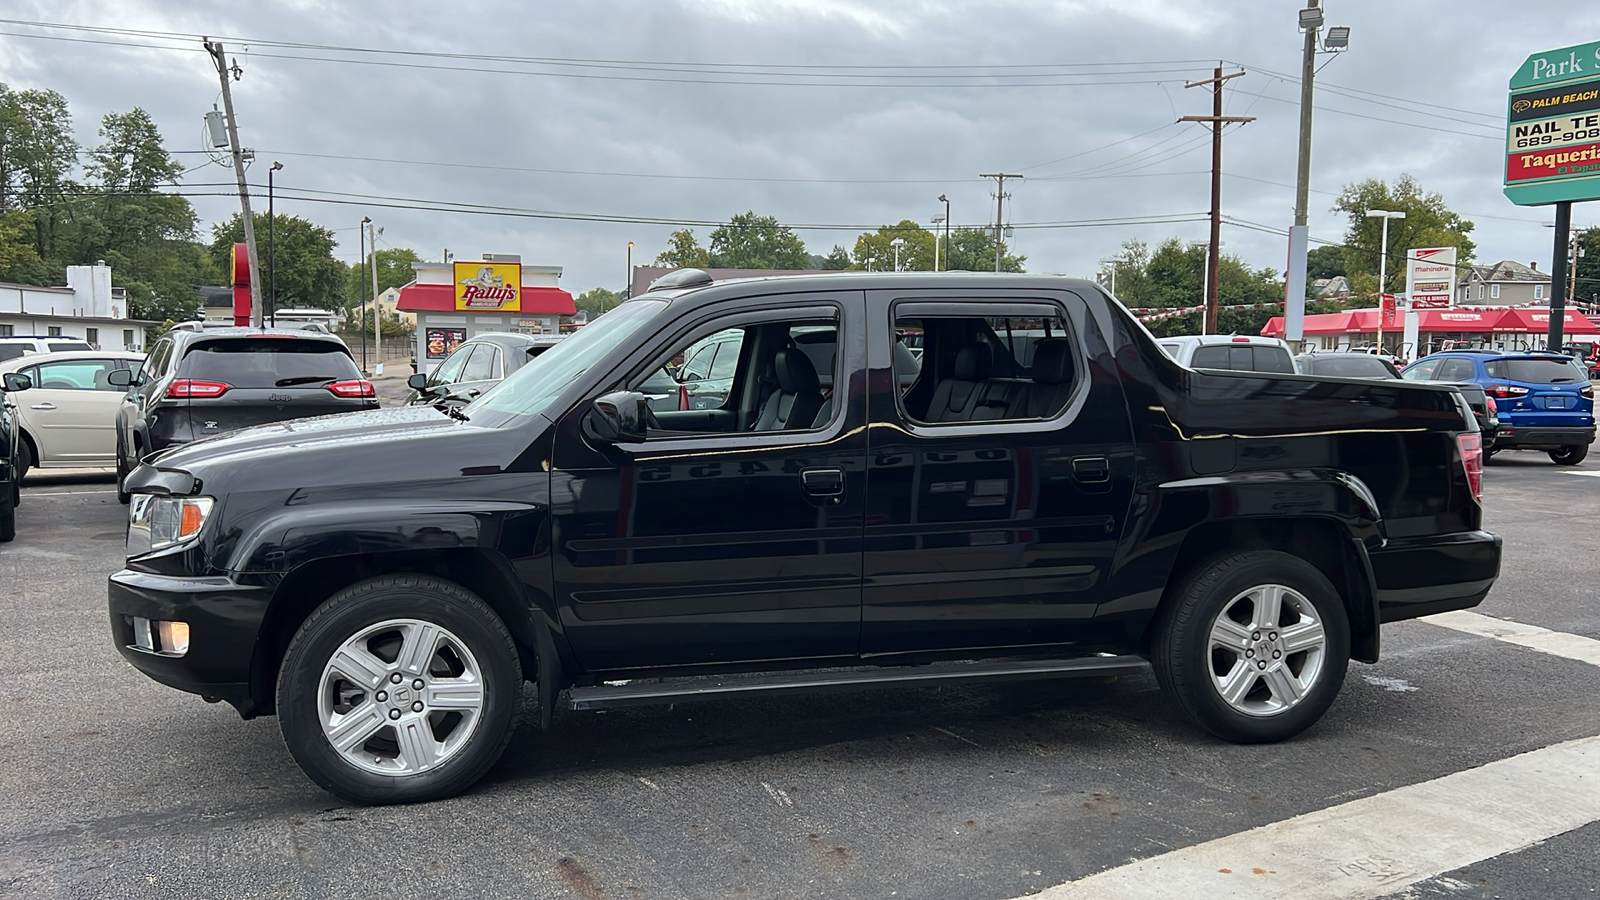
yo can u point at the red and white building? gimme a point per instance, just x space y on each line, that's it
1510 328
458 300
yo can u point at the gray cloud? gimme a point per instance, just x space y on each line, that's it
1455 55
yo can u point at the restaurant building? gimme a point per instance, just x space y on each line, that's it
462 299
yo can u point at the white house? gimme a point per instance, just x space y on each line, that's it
87 308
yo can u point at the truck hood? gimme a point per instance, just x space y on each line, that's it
384 445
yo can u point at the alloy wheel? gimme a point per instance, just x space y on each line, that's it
1267 649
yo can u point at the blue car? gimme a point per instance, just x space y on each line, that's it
1545 401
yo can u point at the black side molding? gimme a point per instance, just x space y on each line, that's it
681 690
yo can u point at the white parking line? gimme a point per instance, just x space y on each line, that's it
66 493
1592 473
1556 643
1375 846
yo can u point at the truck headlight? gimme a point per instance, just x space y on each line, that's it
156 522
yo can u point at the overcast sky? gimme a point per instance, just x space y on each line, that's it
877 149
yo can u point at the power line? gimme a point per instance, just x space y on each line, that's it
1336 88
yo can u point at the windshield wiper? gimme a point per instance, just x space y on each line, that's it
453 412
303 379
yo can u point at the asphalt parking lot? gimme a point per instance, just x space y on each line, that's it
116 786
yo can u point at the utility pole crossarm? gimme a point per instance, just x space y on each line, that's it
1224 119
1215 79
999 208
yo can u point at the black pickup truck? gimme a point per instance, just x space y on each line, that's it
1048 495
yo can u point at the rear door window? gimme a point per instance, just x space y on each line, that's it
76 375
1456 369
1421 371
269 363
1536 371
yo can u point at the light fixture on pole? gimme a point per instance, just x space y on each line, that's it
1294 307
897 243
1111 262
272 259
946 201
1383 261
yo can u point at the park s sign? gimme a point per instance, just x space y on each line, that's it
1553 127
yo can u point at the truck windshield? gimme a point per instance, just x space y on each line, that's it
533 387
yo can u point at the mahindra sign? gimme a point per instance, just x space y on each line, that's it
1431 277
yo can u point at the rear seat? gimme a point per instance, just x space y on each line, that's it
973 395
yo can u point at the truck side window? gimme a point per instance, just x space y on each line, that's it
987 369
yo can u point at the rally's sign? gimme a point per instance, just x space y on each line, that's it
1553 127
1431 277
488 287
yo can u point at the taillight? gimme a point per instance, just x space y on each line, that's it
353 389
1492 407
1505 391
1471 447
189 387
1586 391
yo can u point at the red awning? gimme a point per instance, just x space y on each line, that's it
1537 321
1327 323
442 298
1448 320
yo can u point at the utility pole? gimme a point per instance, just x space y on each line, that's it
1294 301
377 316
223 71
1213 253
1000 196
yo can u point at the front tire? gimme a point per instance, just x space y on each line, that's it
1253 646
399 689
1570 455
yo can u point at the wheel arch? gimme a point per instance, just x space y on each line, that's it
488 575
1323 542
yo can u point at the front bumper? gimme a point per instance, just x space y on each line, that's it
1541 437
1425 575
224 619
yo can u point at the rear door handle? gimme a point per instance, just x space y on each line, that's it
43 406
822 482
1091 469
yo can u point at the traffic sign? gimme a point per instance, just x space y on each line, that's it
1553 127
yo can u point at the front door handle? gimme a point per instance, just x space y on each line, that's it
822 482
43 406
1091 469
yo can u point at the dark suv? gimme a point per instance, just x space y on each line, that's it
1544 400
199 384
10 454
1047 494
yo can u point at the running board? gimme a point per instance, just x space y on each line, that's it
647 692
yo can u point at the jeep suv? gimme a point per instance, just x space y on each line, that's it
1544 400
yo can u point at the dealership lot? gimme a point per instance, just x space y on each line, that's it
117 786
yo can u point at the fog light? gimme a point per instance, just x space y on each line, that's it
174 637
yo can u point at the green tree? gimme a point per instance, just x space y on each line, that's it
1173 276
749 241
19 260
1428 223
37 153
916 249
393 265
837 258
308 274
1588 286
597 301
683 250
145 235
1324 262
972 250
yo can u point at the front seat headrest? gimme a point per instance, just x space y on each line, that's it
796 374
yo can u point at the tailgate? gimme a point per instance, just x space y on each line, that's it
236 382
243 407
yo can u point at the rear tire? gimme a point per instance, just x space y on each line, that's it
417 680
1253 646
1570 455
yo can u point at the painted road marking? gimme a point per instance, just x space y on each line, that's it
1374 846
1556 643
1377 845
65 493
1592 473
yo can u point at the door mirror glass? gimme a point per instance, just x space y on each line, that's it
417 382
120 378
619 418
16 381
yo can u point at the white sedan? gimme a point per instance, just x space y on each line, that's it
69 417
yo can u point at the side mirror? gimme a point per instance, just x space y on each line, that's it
417 382
619 418
16 381
120 378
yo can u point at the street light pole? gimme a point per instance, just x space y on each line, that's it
897 243
1294 307
946 201
272 258
627 286
1383 262
361 306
